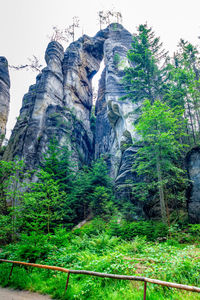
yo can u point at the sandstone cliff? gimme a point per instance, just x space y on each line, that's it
4 96
60 103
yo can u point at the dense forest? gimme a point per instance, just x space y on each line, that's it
68 215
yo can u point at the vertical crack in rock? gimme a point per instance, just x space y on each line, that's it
104 134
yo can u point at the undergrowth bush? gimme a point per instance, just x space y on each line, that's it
129 230
116 247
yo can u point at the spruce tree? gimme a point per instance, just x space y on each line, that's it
145 77
58 164
184 86
158 159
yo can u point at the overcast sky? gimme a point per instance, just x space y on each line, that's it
26 24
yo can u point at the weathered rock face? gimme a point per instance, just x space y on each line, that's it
37 121
193 166
59 105
4 96
114 123
81 62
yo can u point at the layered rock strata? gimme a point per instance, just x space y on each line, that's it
4 96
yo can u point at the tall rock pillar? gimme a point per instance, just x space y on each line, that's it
4 96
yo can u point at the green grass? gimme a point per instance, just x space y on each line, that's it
96 248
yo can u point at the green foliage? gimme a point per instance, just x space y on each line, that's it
58 195
158 160
11 186
94 247
58 165
11 174
5 229
129 230
153 77
92 192
145 78
93 121
39 210
194 229
116 59
184 86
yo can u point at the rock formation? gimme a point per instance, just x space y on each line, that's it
38 116
114 118
60 104
4 96
193 166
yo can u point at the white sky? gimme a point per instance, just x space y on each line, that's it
26 24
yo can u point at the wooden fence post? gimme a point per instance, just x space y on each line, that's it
145 290
11 272
67 282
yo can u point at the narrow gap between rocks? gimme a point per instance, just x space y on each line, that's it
95 82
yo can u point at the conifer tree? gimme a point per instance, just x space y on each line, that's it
41 206
158 159
58 164
184 86
144 79
92 192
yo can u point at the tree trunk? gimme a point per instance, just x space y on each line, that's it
187 129
198 121
48 220
191 121
161 192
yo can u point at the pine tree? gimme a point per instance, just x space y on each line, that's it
144 79
57 163
11 185
41 206
184 86
92 192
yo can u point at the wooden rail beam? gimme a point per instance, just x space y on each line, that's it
105 275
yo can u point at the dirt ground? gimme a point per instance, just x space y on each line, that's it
8 294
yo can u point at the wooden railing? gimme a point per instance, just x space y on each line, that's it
105 275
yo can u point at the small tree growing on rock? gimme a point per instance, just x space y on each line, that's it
66 34
109 16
